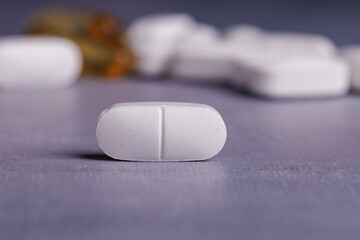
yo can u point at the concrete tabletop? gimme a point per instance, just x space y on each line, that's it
289 169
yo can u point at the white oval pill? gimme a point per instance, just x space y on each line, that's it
154 40
297 77
156 131
32 63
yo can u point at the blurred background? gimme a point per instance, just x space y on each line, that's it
337 20
289 170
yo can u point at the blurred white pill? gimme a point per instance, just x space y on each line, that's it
153 131
277 47
154 40
352 55
202 56
300 43
33 63
297 77
278 44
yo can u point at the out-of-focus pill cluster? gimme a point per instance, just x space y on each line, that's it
270 64
61 44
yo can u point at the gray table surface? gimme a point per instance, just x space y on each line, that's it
289 169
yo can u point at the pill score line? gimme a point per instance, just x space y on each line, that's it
162 133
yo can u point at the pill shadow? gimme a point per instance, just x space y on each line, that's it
104 157
98 157
93 156
86 156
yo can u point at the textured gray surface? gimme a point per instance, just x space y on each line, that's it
289 170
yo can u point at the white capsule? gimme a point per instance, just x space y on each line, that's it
289 65
300 43
155 131
352 56
33 63
277 44
296 77
154 40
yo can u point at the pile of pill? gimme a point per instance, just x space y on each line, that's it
268 64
